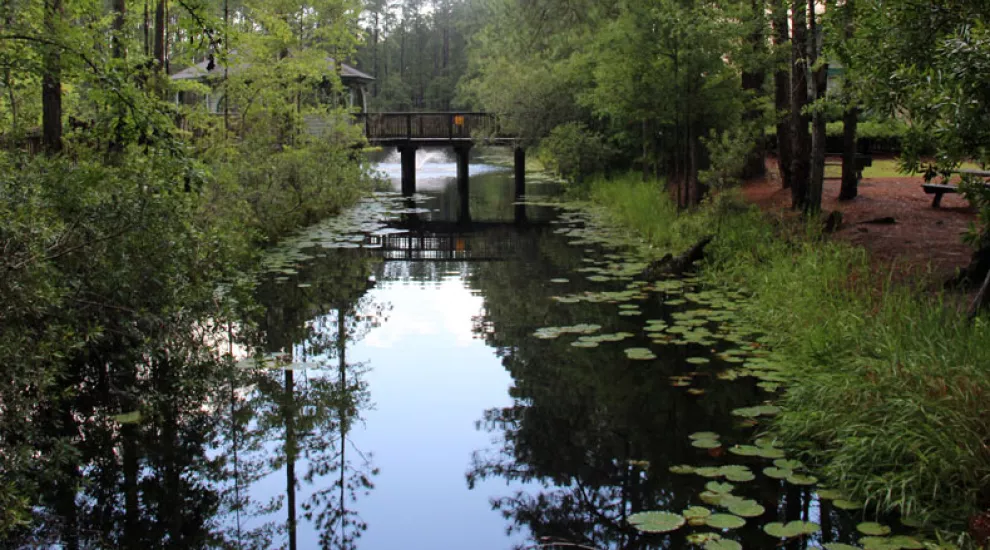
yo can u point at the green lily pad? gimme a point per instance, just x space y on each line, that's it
752 450
739 476
873 528
719 487
704 435
786 464
708 471
702 538
682 469
892 543
560 280
840 546
723 544
712 498
656 522
585 344
777 473
706 443
640 354
791 529
747 509
724 521
699 360
800 479
843 504
696 512
753 412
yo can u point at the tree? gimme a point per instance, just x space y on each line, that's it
800 137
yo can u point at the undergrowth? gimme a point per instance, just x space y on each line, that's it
889 384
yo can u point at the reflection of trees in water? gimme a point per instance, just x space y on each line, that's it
310 412
179 477
582 418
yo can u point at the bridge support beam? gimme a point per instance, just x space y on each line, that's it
520 171
407 155
463 152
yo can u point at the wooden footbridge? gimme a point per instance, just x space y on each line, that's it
459 130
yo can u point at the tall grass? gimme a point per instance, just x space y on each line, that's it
889 385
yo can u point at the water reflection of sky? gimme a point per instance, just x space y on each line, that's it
430 381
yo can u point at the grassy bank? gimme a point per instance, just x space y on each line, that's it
888 388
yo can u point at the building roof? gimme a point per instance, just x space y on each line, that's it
200 71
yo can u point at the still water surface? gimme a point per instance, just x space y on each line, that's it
413 405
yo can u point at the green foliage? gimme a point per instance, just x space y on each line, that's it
574 152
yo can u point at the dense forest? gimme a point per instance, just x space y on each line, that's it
135 202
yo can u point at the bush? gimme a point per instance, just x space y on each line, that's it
574 152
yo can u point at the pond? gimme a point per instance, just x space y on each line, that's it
435 372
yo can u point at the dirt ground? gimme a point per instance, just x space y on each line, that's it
924 243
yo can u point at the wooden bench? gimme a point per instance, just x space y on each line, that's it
862 161
939 189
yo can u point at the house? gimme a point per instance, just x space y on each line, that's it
354 80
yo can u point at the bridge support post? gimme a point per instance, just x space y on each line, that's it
520 171
407 155
463 188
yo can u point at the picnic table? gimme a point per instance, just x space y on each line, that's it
939 189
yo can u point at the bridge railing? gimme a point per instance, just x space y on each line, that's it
429 126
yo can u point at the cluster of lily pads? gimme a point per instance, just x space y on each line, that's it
350 229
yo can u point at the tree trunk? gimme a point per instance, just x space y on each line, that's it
159 45
800 138
817 84
850 119
850 177
782 96
51 84
146 27
119 19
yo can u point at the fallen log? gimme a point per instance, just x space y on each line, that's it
676 265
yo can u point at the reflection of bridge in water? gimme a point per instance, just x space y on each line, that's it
452 242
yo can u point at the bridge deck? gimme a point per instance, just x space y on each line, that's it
427 129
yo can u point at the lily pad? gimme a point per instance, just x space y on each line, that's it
682 469
719 487
640 354
706 443
791 529
696 512
843 504
892 543
747 509
800 479
708 471
777 473
840 546
723 544
873 528
786 464
656 522
725 521
702 538
704 435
